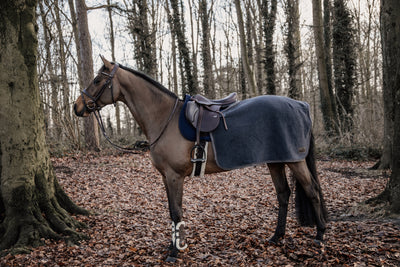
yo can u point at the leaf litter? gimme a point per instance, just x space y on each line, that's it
229 218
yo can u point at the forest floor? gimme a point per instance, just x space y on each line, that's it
229 216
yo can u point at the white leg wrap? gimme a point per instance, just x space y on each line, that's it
176 241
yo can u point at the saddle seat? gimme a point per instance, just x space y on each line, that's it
204 114
202 100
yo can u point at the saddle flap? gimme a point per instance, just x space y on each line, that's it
192 112
209 120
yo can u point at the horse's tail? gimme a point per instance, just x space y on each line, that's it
304 209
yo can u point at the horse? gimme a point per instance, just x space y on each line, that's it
156 110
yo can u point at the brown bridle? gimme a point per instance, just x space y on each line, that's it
95 108
92 103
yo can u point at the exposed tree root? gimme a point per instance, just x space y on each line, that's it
29 228
374 208
39 214
66 203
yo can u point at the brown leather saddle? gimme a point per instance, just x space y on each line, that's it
205 114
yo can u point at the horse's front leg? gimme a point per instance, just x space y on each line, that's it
174 187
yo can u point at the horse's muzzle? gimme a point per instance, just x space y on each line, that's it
80 113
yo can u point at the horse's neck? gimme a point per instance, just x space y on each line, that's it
149 106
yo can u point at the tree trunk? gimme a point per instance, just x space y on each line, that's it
66 106
189 85
292 48
328 113
390 78
144 37
259 50
248 72
344 63
92 139
390 31
194 39
32 204
112 42
327 30
208 83
174 78
269 18
55 131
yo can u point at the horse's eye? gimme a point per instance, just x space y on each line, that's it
96 81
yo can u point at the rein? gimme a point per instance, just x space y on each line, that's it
166 124
96 110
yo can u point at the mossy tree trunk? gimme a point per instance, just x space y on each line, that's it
269 9
390 31
189 82
292 48
208 82
344 62
32 204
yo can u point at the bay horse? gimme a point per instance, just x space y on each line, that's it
156 110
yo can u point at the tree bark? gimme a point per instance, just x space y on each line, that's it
144 37
344 63
326 101
32 204
248 72
189 85
112 42
292 48
208 81
66 106
390 31
52 76
174 77
269 18
92 138
327 31
390 71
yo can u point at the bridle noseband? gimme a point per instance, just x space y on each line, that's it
92 105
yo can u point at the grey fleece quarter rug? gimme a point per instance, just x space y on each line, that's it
263 129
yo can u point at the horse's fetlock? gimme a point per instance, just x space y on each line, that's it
178 236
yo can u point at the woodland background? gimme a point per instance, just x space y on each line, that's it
215 47
209 47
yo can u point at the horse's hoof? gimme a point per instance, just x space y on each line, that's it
318 242
273 241
171 259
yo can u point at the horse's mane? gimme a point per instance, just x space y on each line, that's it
150 80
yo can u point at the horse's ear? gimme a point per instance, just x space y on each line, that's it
107 63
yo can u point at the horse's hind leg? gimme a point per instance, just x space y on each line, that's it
313 194
278 175
174 187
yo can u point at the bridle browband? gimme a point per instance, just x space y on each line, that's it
95 108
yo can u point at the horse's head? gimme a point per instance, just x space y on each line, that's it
102 91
